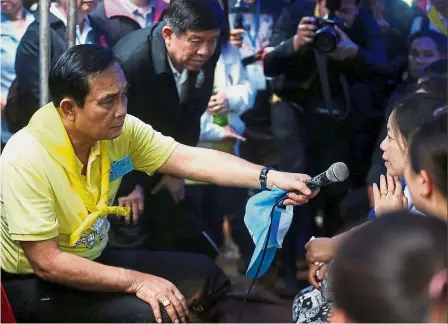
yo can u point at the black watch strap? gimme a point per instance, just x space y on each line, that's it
264 177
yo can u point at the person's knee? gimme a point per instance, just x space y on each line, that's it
209 275
207 265
127 309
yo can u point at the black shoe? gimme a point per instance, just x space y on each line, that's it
286 287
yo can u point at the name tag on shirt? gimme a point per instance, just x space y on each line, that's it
121 167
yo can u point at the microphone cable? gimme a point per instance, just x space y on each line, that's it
278 203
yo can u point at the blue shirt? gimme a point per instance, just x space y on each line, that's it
10 39
144 20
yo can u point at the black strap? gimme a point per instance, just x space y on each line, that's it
263 178
321 61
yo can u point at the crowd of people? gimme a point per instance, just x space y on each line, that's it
119 194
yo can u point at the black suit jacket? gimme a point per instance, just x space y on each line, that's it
114 28
152 94
27 83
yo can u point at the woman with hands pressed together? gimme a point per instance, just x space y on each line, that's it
391 194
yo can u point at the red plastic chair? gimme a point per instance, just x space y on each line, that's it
7 315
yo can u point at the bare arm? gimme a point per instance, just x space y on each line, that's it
341 237
223 169
51 264
323 249
211 166
320 252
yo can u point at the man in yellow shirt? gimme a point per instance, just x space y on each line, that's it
59 176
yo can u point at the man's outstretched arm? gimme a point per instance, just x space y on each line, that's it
223 169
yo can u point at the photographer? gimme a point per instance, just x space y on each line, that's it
361 43
314 126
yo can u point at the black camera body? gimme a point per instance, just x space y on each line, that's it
326 38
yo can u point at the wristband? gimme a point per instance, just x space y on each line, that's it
264 177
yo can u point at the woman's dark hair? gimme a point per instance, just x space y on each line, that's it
428 151
433 83
412 110
69 77
382 272
195 15
440 39
439 67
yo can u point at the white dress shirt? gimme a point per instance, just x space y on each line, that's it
181 80
82 37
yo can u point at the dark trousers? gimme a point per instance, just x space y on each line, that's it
164 226
211 203
310 143
199 279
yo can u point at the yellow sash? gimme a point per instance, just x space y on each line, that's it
47 127
436 20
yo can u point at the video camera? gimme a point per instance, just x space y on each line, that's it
326 38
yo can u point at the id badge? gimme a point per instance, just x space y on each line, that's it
121 167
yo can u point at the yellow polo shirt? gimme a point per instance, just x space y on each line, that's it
38 202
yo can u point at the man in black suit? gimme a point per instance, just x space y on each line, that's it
170 69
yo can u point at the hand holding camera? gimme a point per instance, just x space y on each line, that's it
236 34
326 35
306 31
345 48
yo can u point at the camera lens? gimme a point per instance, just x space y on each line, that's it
326 39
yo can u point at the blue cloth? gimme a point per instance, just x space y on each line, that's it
9 38
257 220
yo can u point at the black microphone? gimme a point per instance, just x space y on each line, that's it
337 172
250 59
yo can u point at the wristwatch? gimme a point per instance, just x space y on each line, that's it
263 178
